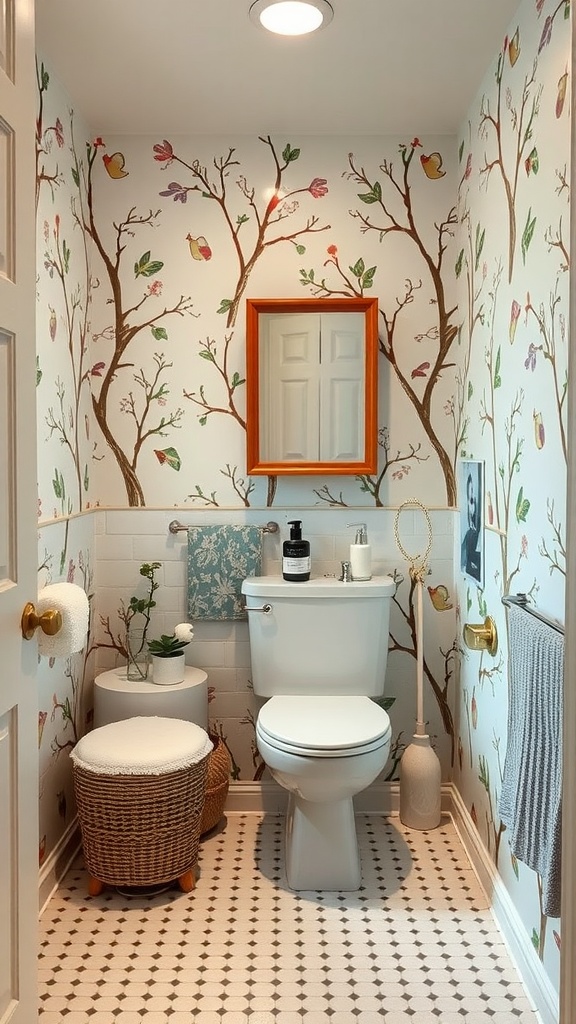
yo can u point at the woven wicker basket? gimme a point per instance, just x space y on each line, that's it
140 830
217 784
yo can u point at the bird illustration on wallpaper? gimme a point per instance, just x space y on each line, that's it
115 165
432 165
199 248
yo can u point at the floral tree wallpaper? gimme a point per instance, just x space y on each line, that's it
513 271
147 251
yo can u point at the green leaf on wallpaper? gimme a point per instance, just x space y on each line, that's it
368 278
86 477
171 457
76 177
374 195
460 151
535 940
484 775
44 77
468 600
242 219
479 245
159 333
300 249
459 262
482 606
38 371
567 10
522 506
527 234
202 420
206 354
237 380
289 154
470 390
58 485
225 305
358 268
147 267
497 377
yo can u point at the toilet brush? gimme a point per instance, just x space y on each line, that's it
420 773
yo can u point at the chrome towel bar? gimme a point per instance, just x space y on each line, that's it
521 601
176 527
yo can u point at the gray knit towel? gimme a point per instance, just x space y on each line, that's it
531 799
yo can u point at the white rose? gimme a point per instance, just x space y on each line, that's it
184 631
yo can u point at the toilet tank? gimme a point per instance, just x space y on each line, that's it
319 637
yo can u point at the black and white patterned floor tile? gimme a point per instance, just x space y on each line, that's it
417 944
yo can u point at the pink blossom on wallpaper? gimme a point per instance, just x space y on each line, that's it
318 188
155 288
96 370
163 151
332 250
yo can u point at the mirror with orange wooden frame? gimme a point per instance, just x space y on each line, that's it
360 395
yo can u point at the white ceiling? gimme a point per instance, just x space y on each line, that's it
201 67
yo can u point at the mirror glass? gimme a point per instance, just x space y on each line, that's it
311 386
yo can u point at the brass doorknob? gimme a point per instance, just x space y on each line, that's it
50 621
482 636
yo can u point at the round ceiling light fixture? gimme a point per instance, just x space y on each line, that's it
291 17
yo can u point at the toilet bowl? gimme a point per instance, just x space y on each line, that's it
323 750
320 733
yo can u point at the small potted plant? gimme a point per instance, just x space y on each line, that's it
168 662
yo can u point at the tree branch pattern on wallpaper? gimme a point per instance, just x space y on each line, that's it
444 331
280 205
138 405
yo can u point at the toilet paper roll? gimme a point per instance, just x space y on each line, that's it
72 603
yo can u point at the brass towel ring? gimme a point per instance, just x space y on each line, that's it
50 621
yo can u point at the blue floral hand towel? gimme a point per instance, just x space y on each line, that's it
219 558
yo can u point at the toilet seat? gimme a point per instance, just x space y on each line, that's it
334 726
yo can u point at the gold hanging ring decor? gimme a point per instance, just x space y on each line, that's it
418 563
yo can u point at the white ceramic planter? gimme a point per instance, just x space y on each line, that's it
167 671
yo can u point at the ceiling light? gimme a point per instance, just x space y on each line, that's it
291 17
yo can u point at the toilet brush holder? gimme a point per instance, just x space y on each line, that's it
420 785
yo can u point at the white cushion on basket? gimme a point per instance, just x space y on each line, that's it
142 746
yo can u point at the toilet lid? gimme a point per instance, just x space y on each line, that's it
325 725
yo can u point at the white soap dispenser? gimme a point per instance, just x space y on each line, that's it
361 554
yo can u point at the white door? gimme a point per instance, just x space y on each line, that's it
18 517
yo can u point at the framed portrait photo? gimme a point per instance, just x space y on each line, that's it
471 490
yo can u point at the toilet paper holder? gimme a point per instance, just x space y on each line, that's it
481 636
50 621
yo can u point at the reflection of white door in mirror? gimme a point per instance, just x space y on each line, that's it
312 406
311 377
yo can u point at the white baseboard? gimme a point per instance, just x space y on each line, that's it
520 948
57 863
381 798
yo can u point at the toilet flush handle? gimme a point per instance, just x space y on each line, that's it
266 609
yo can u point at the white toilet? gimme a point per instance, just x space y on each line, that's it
319 652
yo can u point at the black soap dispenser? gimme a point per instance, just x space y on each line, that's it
296 555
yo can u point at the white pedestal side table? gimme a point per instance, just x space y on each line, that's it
116 698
